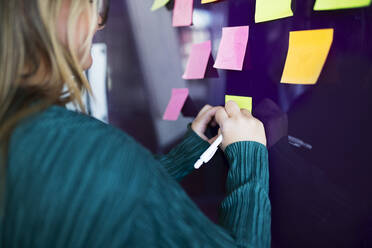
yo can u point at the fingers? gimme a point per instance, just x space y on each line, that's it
232 109
204 109
221 116
246 112
207 114
199 125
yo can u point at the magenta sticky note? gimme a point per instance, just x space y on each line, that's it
182 13
175 104
232 48
198 60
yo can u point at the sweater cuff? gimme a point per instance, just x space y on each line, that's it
248 163
181 159
192 145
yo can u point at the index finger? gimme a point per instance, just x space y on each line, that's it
221 116
207 114
246 112
232 108
204 109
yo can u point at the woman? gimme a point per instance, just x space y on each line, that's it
72 181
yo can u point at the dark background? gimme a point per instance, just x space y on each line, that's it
320 197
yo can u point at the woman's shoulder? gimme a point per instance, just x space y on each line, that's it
76 147
58 116
58 121
71 161
71 136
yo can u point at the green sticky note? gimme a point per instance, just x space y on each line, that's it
242 101
267 10
340 4
158 4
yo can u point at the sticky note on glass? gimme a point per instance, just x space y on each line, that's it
182 13
340 4
307 53
158 4
232 48
209 1
244 102
267 10
198 60
175 104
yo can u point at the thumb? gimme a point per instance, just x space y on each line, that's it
201 122
207 115
210 141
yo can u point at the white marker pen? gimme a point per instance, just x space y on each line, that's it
209 153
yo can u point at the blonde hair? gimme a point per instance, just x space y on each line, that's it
29 44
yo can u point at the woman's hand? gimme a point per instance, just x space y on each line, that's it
205 116
238 125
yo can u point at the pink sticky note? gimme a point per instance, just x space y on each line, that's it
198 60
182 13
232 48
175 104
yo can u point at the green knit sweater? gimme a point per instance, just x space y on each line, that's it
73 181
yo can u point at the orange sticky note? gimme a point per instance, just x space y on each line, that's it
182 13
307 53
175 104
231 52
198 60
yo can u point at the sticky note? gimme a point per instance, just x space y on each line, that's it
232 48
267 10
158 4
175 104
340 4
244 102
209 1
198 60
182 13
307 53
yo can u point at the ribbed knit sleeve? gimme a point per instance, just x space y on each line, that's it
246 210
170 219
179 162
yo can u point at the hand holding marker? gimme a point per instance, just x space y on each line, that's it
235 125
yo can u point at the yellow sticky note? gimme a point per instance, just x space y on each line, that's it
243 101
158 4
267 10
307 53
209 1
340 4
